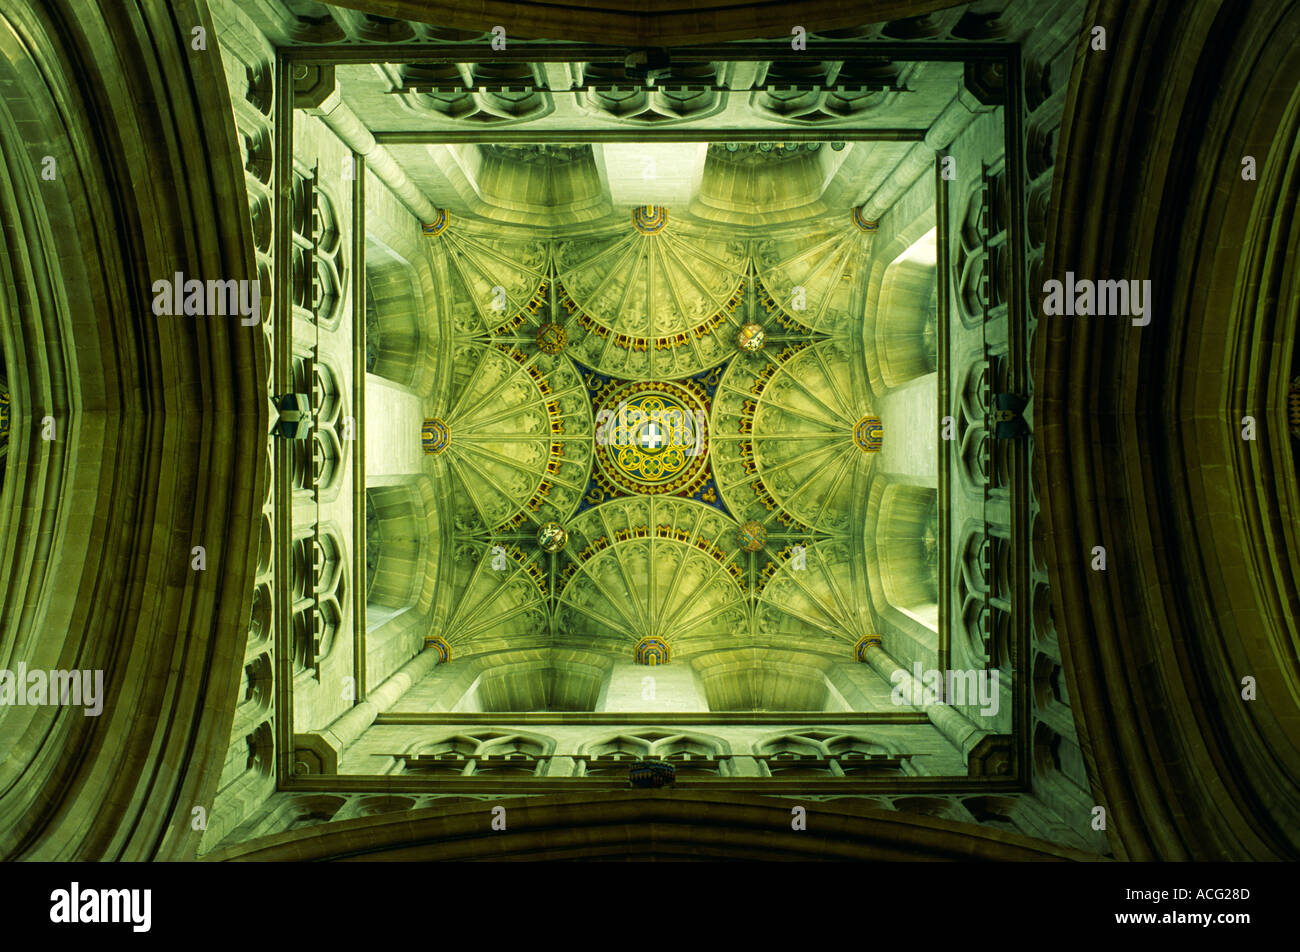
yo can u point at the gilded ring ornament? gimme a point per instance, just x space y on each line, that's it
434 436
869 434
865 642
652 650
649 219
862 223
432 229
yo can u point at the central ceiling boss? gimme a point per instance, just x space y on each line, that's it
652 437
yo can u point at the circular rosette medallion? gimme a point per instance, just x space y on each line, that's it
652 438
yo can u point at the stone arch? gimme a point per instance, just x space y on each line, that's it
982 460
543 681
255 694
533 745
394 303
396 550
451 746
260 746
692 744
765 679
318 461
319 587
624 746
468 754
300 811
550 185
406 609
907 550
692 754
980 255
795 755
612 754
690 824
1211 564
941 807
513 753
318 277
905 326
160 414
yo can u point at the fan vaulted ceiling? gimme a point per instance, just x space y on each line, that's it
748 561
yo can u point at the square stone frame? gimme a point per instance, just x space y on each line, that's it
1014 749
